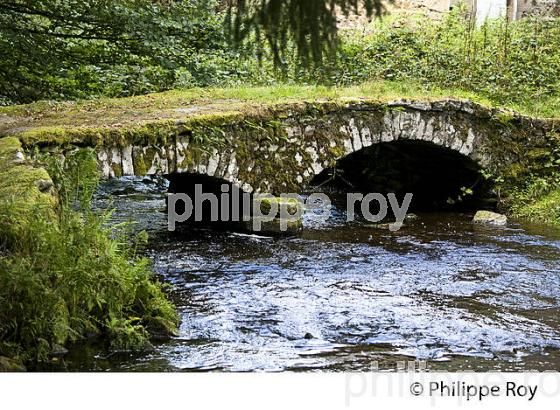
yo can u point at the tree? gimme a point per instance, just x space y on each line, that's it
309 24
60 48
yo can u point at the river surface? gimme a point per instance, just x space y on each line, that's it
346 296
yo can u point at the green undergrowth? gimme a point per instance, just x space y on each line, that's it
539 200
70 276
545 209
537 196
532 191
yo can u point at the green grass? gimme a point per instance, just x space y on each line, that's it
178 104
545 209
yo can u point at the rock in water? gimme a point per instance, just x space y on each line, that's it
276 216
490 218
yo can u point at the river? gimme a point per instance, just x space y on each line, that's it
345 296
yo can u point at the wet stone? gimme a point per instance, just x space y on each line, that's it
490 218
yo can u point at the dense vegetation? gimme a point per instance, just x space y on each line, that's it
67 49
507 62
310 25
136 47
68 276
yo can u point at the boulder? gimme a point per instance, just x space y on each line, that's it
275 227
490 218
275 216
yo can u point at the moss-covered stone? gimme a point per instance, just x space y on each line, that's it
268 204
24 188
274 227
490 218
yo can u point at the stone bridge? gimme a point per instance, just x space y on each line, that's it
282 147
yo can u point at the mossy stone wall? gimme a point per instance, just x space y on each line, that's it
280 148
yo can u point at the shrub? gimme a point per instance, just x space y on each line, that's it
507 62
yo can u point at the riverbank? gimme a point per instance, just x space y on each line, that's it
544 208
65 276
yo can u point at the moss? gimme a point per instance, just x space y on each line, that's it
155 132
48 135
266 204
505 118
513 171
24 188
538 153
117 170
337 151
139 163
8 148
10 365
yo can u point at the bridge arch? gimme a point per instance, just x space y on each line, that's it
281 148
438 177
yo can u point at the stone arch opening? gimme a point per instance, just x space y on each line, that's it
439 178
217 203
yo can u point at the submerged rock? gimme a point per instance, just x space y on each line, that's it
275 227
490 218
387 226
383 226
58 350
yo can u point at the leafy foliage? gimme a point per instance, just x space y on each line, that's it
78 48
69 49
508 62
538 198
63 280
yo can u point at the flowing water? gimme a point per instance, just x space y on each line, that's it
346 296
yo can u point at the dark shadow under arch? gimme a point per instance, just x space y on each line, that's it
438 177
185 183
